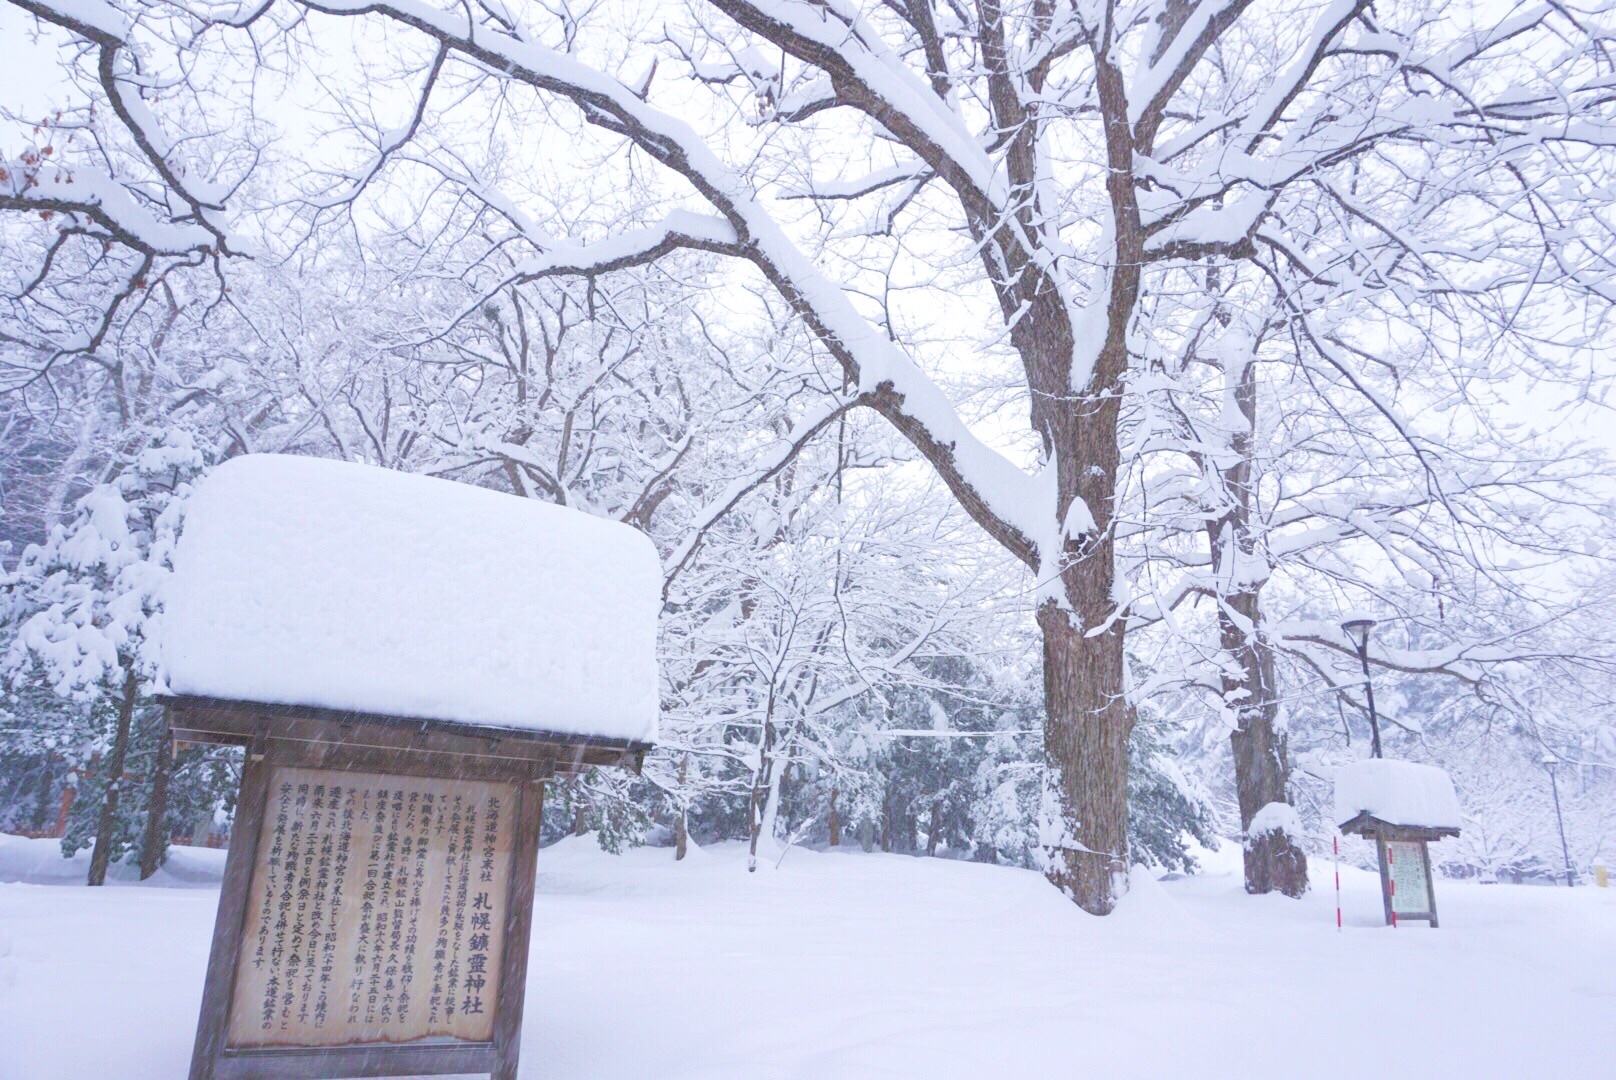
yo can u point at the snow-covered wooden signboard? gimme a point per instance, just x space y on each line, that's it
407 661
1403 806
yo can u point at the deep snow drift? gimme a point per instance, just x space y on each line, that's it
848 966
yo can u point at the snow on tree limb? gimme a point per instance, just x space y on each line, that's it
93 20
106 205
996 493
130 192
768 465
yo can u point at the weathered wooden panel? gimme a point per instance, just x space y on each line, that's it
1406 864
377 911
319 749
351 1062
209 720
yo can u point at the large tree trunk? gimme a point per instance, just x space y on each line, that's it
835 820
1087 714
106 827
1086 738
1274 861
154 841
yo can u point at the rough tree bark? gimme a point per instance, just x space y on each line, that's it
1086 737
1273 860
154 839
106 826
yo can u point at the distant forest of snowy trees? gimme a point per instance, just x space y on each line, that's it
1020 393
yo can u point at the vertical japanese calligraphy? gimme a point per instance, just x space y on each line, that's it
376 912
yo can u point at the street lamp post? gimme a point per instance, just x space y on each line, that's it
1549 763
1358 631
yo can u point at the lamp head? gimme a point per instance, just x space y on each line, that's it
1357 630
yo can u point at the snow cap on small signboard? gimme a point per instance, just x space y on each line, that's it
1397 793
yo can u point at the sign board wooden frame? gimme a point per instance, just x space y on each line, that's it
1384 833
291 737
1389 875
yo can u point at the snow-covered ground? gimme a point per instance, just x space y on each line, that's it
852 965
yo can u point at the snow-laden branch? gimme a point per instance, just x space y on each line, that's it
128 197
102 201
1466 661
858 187
834 37
93 20
1184 33
998 495
765 467
681 229
31 183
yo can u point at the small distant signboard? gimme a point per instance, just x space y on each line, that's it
1410 871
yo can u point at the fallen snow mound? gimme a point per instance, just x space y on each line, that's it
1396 792
302 581
1275 817
40 862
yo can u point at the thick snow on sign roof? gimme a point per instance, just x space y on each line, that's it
1398 793
302 581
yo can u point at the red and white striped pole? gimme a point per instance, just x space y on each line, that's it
1335 841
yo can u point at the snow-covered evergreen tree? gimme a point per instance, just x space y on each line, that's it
81 607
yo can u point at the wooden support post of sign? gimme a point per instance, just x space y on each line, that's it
348 882
1386 885
1430 884
518 931
232 914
